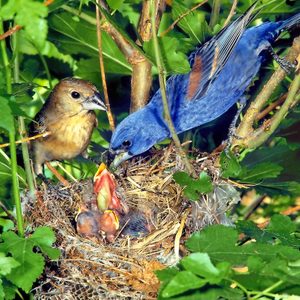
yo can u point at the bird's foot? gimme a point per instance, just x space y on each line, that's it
232 128
284 64
44 179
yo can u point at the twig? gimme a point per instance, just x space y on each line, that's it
272 106
171 27
8 213
10 32
102 70
179 234
253 206
250 138
57 175
231 13
162 83
27 139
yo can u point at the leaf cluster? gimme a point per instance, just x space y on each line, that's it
22 258
265 263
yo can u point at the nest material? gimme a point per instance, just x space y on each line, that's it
93 269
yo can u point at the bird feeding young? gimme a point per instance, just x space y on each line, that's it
221 71
68 115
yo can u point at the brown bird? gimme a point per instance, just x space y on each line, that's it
69 117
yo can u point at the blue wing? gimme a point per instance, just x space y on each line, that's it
209 59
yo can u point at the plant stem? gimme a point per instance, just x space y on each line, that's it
46 70
162 83
248 137
102 70
269 289
215 13
12 146
15 182
5 62
22 128
265 133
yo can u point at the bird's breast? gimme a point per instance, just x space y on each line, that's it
69 136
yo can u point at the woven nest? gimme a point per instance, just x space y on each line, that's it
95 269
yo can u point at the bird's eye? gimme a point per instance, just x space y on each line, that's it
75 95
126 144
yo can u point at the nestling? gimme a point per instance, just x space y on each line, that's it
69 117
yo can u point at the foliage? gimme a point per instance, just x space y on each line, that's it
21 263
222 266
194 187
59 40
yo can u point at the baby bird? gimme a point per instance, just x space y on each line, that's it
69 117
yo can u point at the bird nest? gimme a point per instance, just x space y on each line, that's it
124 269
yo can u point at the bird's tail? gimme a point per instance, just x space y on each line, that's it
289 23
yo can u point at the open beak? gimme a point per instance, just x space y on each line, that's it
94 102
120 156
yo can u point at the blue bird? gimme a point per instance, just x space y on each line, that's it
221 71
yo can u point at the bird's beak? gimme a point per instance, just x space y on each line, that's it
120 156
94 102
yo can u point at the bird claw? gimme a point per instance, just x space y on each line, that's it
44 179
283 63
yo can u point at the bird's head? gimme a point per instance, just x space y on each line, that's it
74 95
136 134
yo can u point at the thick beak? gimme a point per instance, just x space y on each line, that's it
120 156
94 102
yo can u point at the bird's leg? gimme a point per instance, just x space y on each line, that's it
232 128
283 63
44 179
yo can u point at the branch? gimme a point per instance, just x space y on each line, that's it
171 27
102 70
231 13
162 84
10 32
141 67
141 79
248 136
271 107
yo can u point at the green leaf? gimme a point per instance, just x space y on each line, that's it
174 60
260 172
6 117
7 264
166 274
44 237
31 264
72 37
200 264
193 24
204 183
230 165
31 16
182 282
115 4
182 178
6 224
194 187
220 244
